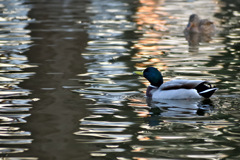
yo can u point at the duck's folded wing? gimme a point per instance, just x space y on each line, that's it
206 26
177 84
205 22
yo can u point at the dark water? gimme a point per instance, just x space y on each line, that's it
68 92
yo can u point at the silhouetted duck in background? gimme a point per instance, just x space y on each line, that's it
175 89
198 31
197 25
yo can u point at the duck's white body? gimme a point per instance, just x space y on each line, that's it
176 94
178 89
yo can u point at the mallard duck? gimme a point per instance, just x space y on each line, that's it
197 25
175 89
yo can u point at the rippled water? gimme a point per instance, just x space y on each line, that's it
14 101
76 58
125 125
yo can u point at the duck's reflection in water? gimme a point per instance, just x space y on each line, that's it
161 110
195 38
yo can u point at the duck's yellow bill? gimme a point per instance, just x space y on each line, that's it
138 73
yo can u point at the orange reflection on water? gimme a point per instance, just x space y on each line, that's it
144 138
147 14
138 149
139 158
154 62
143 114
153 27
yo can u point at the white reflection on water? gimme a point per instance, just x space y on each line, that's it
14 107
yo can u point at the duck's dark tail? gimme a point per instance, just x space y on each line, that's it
205 89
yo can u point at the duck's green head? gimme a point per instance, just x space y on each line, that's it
152 75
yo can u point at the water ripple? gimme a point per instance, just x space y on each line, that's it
149 33
14 107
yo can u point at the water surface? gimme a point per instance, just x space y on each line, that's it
126 125
68 92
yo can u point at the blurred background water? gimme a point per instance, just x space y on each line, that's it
68 92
